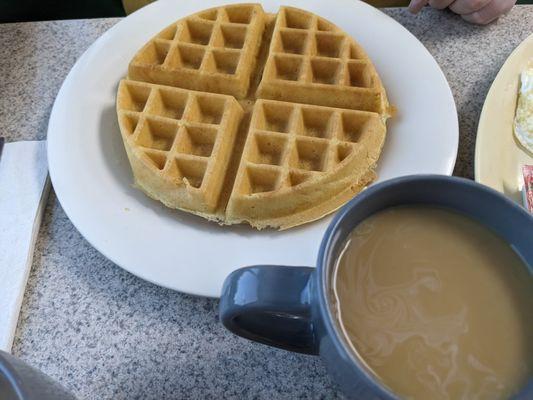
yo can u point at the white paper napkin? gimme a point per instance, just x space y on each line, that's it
24 188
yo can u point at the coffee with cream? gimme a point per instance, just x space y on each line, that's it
436 305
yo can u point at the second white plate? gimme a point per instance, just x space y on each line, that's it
499 157
92 177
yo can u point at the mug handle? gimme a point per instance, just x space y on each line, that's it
271 304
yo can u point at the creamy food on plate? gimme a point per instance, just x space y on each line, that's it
523 122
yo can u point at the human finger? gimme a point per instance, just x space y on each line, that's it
416 5
440 4
490 12
468 6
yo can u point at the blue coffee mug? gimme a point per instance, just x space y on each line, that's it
289 307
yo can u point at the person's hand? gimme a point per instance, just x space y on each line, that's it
476 11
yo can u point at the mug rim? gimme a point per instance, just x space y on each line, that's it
330 239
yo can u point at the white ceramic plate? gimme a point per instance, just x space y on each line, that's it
92 177
499 157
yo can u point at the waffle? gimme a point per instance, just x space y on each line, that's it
240 116
312 61
212 51
301 161
179 142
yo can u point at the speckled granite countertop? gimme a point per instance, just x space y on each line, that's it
106 334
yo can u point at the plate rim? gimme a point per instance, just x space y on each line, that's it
68 82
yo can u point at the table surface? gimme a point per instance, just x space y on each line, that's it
106 334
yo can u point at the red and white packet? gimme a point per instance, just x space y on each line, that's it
528 187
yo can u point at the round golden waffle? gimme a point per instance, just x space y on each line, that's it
237 115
